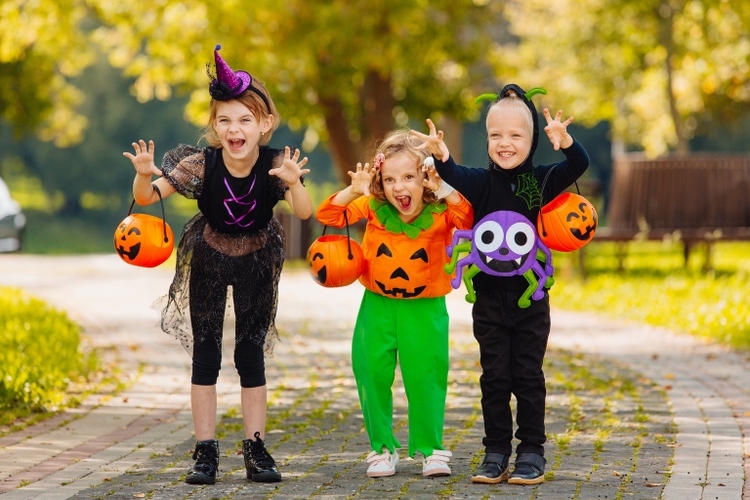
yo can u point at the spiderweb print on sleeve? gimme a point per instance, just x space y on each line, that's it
528 190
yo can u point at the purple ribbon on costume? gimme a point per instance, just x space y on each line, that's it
238 200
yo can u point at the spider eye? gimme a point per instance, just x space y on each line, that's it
520 238
488 237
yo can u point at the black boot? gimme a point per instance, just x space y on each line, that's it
529 469
260 465
493 470
206 465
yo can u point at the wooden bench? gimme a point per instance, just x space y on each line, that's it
698 198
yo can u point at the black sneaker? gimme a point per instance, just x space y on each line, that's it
493 470
260 466
206 456
529 469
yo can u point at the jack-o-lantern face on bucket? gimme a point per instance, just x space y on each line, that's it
332 264
567 223
405 274
143 240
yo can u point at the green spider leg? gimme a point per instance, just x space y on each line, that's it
525 301
471 296
464 247
542 257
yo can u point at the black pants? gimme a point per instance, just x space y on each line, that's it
512 344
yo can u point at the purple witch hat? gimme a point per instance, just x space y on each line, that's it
227 84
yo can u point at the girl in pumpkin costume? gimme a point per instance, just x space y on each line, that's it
410 217
234 240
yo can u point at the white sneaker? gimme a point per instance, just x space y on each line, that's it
383 464
437 464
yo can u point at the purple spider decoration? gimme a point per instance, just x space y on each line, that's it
503 243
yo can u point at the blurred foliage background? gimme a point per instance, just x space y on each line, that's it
80 80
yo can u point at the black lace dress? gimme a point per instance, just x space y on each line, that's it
233 241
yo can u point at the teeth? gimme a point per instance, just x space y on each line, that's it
518 261
489 259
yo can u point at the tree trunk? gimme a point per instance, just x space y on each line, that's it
376 120
682 147
377 109
454 136
345 152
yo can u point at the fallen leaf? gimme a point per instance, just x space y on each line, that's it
140 495
107 479
616 474
710 356
669 376
651 484
662 472
667 387
746 414
721 484
674 445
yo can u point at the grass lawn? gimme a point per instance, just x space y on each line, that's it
658 289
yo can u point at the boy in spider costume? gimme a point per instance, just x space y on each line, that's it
512 334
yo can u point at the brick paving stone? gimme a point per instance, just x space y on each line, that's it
633 412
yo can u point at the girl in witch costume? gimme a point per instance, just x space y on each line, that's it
234 240
411 215
512 331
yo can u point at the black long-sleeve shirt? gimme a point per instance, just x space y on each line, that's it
518 190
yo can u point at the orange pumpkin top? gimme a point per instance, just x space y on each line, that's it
402 260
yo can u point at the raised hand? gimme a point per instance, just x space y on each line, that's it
143 160
433 142
361 179
558 131
290 170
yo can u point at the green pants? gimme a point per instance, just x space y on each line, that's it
413 332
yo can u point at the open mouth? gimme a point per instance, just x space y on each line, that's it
581 235
404 203
236 144
503 266
321 275
400 292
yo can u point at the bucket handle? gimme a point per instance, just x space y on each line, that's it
541 197
163 217
348 237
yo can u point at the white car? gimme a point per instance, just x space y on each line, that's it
12 221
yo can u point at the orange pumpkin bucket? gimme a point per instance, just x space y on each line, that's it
568 222
335 260
144 240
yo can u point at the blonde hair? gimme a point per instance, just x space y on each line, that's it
252 102
397 142
513 103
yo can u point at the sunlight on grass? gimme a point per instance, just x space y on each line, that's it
656 288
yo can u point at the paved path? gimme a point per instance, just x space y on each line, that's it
633 411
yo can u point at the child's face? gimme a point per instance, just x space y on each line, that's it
402 184
238 129
508 137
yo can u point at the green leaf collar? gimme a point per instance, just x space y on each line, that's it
388 215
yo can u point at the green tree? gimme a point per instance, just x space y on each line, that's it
93 173
345 72
659 70
42 46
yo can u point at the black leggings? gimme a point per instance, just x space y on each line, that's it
254 279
